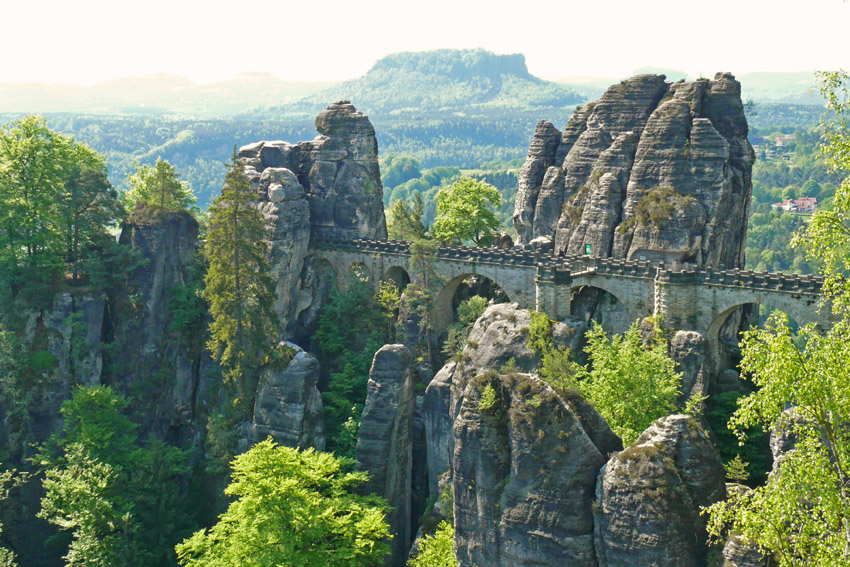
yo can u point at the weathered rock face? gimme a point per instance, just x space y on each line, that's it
287 220
739 553
289 406
66 338
649 497
384 444
524 473
497 337
327 187
689 349
338 172
167 242
589 187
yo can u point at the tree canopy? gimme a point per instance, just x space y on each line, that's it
159 185
465 211
55 201
119 499
292 508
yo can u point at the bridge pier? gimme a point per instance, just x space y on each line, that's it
552 292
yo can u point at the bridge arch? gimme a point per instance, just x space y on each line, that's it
800 310
597 302
398 275
443 304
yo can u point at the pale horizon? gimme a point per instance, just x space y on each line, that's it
94 41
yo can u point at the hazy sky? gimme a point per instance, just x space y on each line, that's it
86 41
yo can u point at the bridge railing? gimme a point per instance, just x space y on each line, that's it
462 253
561 268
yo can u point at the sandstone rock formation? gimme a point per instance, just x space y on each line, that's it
738 553
384 444
65 338
497 337
689 349
289 406
524 472
589 183
327 187
338 170
649 497
167 243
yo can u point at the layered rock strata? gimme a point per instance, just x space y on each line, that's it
592 184
498 338
524 473
338 171
385 444
289 406
326 187
649 497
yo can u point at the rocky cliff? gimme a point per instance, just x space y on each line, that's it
153 354
384 444
497 339
524 472
649 497
652 170
289 405
326 187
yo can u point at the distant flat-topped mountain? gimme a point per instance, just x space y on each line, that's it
446 79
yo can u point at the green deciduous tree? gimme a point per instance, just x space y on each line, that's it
292 508
630 384
238 285
465 211
118 498
827 237
54 199
159 185
802 514
437 550
349 349
89 205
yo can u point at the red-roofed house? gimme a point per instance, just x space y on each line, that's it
801 205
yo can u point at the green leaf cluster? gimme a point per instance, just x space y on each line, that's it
437 550
56 204
292 508
351 327
119 498
629 384
468 312
465 211
404 220
158 185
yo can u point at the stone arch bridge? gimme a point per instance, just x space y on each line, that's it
687 297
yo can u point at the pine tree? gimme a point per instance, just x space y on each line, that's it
736 469
238 285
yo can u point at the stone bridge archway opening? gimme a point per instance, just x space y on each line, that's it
459 289
398 276
589 303
725 331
